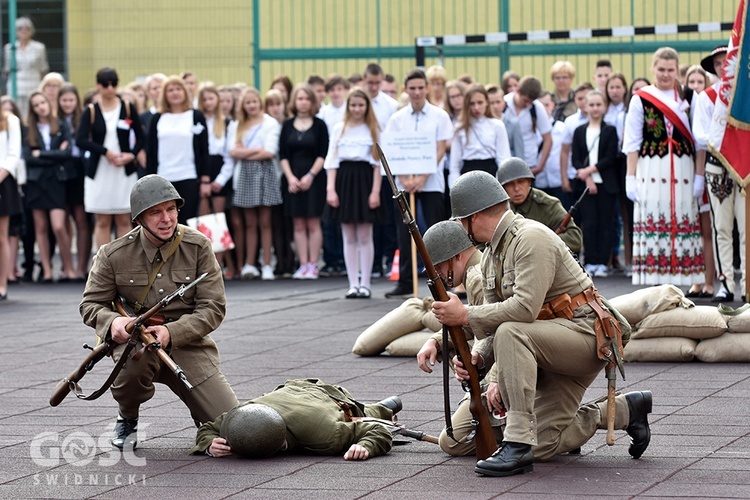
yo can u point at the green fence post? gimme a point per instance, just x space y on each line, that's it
12 14
504 27
256 43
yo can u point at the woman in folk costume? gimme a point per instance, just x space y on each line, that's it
662 181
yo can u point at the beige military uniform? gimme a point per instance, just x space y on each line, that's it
122 267
548 210
542 367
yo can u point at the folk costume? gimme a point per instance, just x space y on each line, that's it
667 245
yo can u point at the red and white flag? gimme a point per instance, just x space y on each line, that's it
729 136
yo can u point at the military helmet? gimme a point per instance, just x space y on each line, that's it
150 191
475 191
445 240
512 169
253 430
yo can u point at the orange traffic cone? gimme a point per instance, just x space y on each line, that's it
394 268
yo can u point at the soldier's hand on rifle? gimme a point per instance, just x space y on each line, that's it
494 401
117 329
357 452
161 333
428 353
460 372
451 313
219 448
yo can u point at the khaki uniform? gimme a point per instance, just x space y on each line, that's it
461 421
548 210
542 367
314 422
122 267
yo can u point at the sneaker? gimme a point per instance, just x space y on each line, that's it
249 272
352 293
299 274
723 296
126 433
629 271
601 271
311 273
267 273
591 269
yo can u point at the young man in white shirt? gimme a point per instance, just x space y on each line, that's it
384 232
532 118
420 115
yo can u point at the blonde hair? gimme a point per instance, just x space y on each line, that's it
173 80
436 73
562 67
700 71
667 54
49 78
274 96
370 119
220 125
243 119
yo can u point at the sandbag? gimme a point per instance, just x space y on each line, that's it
729 348
642 303
430 322
406 318
408 345
666 349
739 323
699 322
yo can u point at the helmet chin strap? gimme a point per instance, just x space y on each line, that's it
144 226
470 232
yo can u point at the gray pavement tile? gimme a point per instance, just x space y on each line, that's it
302 480
209 481
39 488
323 494
676 489
168 492
728 476
723 463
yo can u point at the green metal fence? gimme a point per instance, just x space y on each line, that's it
298 37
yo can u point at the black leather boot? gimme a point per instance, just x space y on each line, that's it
393 403
639 405
126 433
511 458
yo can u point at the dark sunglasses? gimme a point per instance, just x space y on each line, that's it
108 84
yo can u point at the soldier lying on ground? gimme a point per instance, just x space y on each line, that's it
303 416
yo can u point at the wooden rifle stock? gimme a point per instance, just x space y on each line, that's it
64 386
485 437
564 224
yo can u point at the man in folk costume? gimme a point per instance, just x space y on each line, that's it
727 203
663 181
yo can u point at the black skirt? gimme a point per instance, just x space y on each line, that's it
10 198
216 163
488 165
47 192
354 185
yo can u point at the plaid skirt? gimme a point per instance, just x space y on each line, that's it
256 184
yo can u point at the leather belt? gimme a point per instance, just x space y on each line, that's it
565 305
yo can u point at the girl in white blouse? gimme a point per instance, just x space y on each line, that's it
255 142
353 188
480 141
10 201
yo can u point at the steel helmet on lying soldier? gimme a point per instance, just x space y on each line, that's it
445 240
254 430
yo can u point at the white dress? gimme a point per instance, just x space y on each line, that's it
109 191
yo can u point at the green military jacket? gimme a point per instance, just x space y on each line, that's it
548 210
123 266
314 422
525 265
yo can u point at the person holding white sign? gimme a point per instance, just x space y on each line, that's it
420 116
481 141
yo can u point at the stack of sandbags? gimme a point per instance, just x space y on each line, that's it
647 345
400 331
732 346
674 334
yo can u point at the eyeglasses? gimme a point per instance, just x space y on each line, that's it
108 84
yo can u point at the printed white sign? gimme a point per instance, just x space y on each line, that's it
410 152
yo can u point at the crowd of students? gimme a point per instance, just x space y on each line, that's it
296 171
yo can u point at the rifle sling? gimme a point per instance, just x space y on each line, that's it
76 389
447 395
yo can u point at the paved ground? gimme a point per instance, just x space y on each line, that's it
275 331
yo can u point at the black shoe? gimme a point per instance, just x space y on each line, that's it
723 296
575 451
639 406
401 291
511 458
393 403
364 293
126 433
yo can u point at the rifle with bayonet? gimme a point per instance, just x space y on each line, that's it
136 329
564 224
484 437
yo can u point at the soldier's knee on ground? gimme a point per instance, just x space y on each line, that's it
453 448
